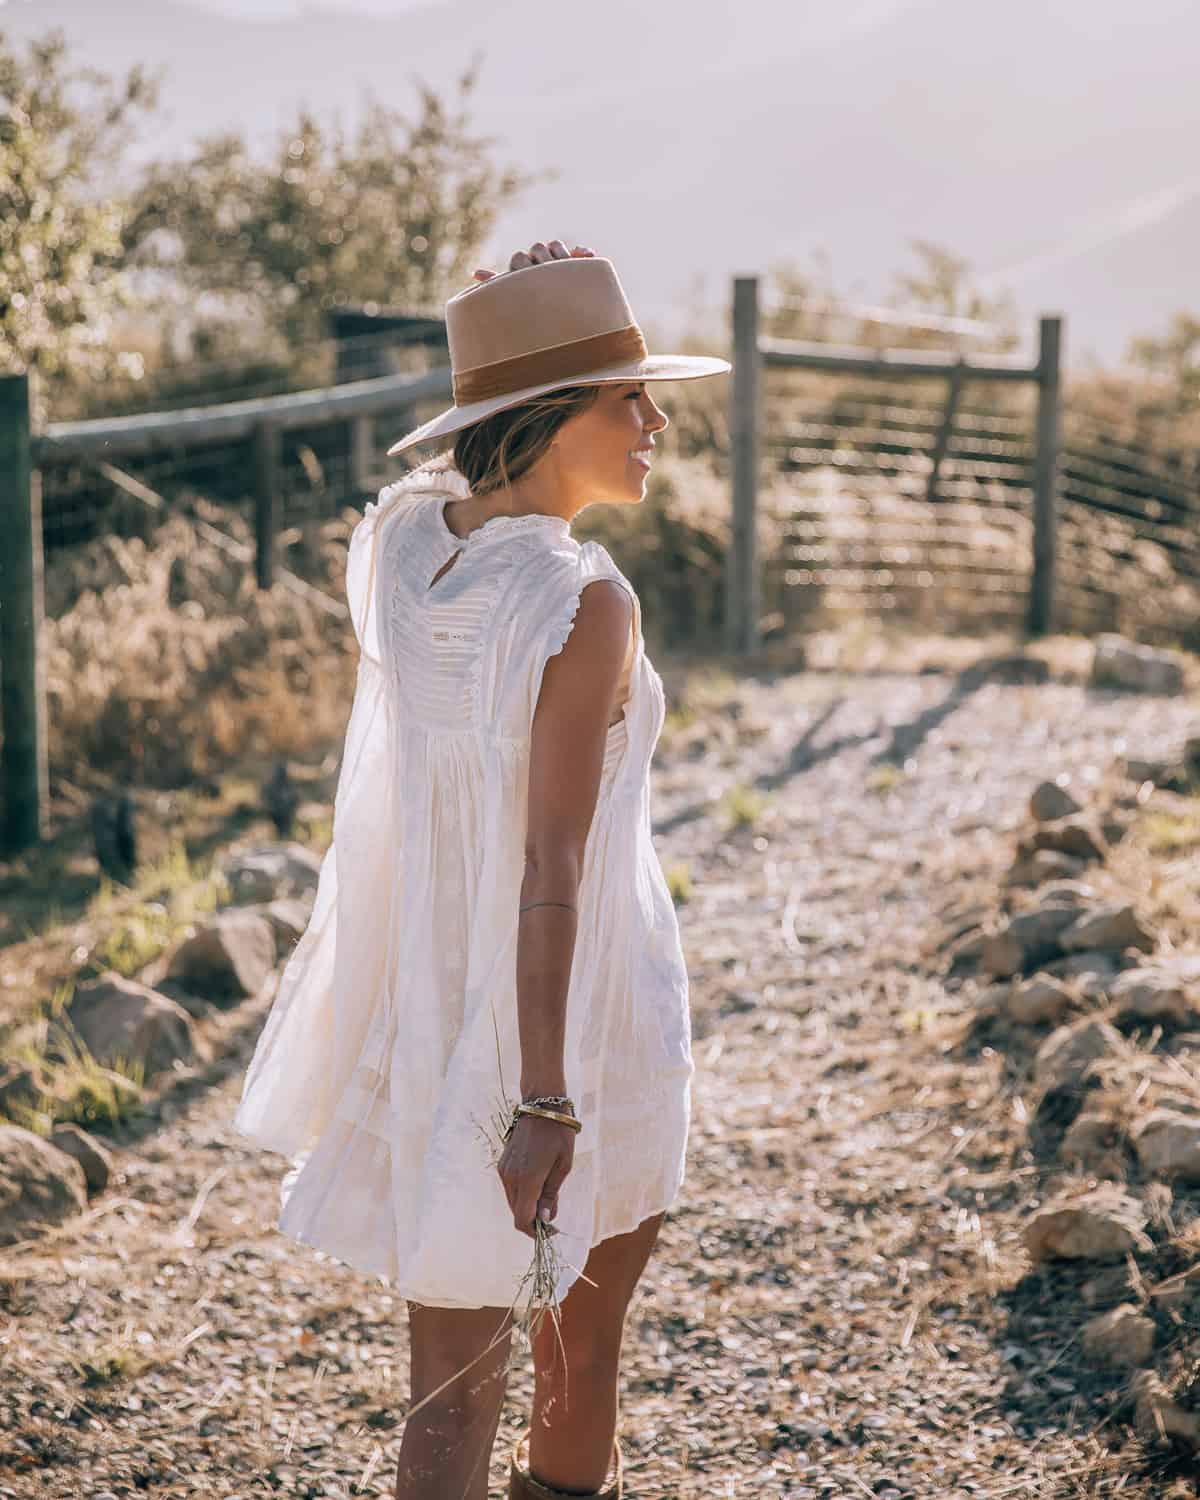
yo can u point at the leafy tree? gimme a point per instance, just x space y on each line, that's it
392 213
1175 355
62 134
941 284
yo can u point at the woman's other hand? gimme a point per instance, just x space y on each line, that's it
534 1165
536 253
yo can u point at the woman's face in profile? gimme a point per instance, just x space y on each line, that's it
607 449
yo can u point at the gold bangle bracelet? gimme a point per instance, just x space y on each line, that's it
548 1114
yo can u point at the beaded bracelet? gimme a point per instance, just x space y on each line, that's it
552 1101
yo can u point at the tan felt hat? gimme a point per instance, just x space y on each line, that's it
556 323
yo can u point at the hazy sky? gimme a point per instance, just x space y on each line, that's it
1049 142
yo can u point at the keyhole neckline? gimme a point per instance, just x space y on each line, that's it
496 526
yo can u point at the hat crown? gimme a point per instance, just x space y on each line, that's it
538 307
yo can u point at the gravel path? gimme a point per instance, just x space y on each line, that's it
839 1305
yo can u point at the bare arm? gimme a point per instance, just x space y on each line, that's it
566 759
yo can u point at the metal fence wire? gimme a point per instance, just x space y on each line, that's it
859 532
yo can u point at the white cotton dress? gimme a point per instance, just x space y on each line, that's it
393 1040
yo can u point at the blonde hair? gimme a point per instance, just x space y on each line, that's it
499 449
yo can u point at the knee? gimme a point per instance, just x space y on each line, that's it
590 1355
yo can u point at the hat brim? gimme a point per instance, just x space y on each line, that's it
653 367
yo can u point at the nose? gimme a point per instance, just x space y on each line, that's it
657 418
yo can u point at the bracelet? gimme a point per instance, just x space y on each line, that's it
552 1101
548 1114
545 1114
532 904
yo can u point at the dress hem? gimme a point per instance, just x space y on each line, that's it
625 1227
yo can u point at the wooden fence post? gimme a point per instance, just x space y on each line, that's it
945 431
741 567
23 691
268 446
1041 619
362 452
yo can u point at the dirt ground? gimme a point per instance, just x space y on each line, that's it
839 1305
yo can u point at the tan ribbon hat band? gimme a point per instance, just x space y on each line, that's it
505 376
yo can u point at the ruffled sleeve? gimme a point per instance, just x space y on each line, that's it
553 594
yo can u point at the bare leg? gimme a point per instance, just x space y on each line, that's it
447 1444
575 1410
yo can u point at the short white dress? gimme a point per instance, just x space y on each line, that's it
392 1042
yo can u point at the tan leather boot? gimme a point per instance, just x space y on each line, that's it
523 1486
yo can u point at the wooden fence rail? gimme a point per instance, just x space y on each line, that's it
23 766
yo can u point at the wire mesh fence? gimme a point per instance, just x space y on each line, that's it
125 474
849 473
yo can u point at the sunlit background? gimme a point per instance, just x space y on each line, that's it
1050 145
920 579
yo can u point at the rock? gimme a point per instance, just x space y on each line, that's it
963 952
1104 1223
1027 940
121 1021
1095 1142
959 927
40 1186
1154 994
1103 1285
1168 1145
1038 1000
1015 668
1118 663
1123 1337
1112 928
1001 955
1038 866
1157 1416
1091 971
1063 1059
18 1087
993 999
1051 801
88 1152
265 873
1170 775
288 918
1079 836
229 959
196 1005
1068 893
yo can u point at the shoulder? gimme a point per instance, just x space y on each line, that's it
557 578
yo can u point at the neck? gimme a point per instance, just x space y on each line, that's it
544 491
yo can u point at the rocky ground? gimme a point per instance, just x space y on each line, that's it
842 1303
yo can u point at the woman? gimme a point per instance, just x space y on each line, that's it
482 1038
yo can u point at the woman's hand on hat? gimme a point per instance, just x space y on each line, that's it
534 256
